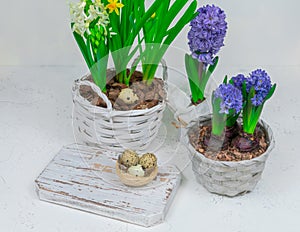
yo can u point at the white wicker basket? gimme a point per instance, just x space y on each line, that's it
191 112
113 129
227 178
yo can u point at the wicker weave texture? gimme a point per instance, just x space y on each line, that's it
113 129
228 178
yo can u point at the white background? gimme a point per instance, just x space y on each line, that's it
39 61
260 33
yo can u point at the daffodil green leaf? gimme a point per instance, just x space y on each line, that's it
83 48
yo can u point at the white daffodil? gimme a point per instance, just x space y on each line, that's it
79 28
82 20
78 17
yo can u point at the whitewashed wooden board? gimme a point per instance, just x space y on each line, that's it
84 178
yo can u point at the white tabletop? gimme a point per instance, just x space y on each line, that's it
35 122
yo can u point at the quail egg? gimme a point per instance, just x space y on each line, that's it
136 170
129 158
128 96
148 160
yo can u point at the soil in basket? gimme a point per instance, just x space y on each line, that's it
149 95
198 134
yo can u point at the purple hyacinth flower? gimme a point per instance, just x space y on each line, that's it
238 81
231 98
207 33
260 80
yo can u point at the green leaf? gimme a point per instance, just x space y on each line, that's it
248 111
89 53
191 65
140 23
206 75
159 33
212 68
186 18
218 119
162 24
271 92
231 120
83 48
172 34
225 80
244 91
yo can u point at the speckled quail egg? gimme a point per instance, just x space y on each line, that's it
128 96
129 158
148 160
136 170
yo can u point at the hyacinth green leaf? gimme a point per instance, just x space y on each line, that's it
271 92
218 119
232 117
191 65
212 67
255 115
225 80
206 75
248 112
256 111
83 48
244 90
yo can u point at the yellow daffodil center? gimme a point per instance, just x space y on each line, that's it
114 5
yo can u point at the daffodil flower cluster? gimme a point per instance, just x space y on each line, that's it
83 14
104 27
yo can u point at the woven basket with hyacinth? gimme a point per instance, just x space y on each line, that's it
231 145
230 139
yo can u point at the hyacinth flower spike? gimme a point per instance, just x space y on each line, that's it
256 89
227 102
206 37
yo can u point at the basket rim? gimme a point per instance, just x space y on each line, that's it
77 95
260 158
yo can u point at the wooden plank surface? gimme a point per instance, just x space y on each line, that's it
84 178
